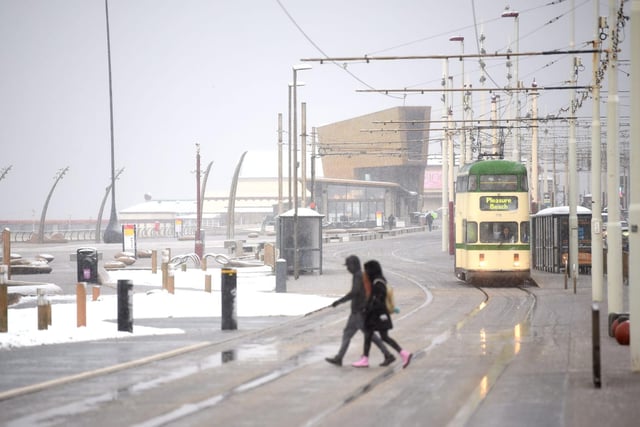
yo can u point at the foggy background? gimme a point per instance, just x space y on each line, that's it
216 73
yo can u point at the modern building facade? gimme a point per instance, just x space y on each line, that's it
373 165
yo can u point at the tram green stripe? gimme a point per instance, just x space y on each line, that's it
507 247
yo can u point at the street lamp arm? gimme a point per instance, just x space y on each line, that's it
58 177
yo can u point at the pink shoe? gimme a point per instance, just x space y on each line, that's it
362 363
406 358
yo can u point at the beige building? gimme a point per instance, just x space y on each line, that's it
374 165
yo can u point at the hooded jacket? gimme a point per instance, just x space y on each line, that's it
356 294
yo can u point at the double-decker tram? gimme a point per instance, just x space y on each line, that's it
492 223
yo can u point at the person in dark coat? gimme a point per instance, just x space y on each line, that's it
355 322
376 316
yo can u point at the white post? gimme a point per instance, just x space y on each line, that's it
572 171
535 192
303 153
596 170
634 208
614 231
445 160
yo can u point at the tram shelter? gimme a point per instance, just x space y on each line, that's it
550 239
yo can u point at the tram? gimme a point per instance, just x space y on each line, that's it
492 223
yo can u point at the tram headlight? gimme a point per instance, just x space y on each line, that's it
481 261
516 260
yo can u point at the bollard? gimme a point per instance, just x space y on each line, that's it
228 297
281 275
4 308
207 283
183 267
43 321
95 293
154 261
47 309
203 263
595 334
4 300
81 304
171 281
575 278
6 250
166 257
125 305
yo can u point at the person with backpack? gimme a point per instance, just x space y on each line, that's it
355 322
376 314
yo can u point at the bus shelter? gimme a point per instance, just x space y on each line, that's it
550 239
309 241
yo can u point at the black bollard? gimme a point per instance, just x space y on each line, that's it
595 335
125 305
228 296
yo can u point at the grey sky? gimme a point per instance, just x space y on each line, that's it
216 73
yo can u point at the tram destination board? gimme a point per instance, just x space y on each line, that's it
498 203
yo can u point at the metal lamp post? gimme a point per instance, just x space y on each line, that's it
112 233
516 138
296 68
289 136
463 142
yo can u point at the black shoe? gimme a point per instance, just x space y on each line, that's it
388 360
334 360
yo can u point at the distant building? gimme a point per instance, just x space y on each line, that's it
374 165
366 169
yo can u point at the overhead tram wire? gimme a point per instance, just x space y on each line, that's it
461 29
504 89
460 56
293 21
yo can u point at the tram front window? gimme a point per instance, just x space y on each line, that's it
498 232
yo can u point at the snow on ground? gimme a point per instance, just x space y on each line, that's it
255 296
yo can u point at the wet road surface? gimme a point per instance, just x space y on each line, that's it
482 356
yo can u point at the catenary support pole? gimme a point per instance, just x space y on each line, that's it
597 275
634 207
614 230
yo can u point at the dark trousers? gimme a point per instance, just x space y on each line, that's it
354 324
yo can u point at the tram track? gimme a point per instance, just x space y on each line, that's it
303 343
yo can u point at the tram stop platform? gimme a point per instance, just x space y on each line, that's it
567 314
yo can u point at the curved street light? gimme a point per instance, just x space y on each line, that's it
104 202
58 177
112 234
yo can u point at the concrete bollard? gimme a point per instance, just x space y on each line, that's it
207 283
281 275
125 305
81 304
228 299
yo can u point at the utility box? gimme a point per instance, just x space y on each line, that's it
308 244
87 261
